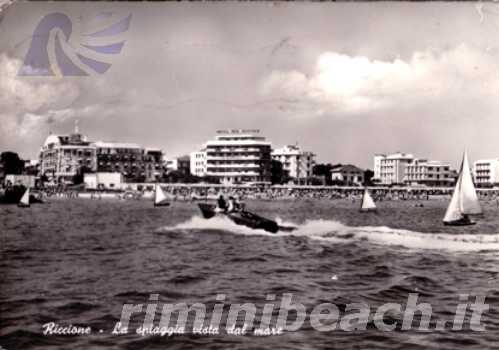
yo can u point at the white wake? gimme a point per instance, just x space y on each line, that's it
334 231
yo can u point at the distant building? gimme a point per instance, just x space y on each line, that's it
239 156
486 172
153 162
390 169
171 165
181 164
198 163
61 156
428 173
32 167
184 164
25 180
119 157
377 167
348 174
103 181
135 163
404 168
298 163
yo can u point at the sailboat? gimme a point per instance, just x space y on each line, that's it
367 202
464 199
24 202
160 199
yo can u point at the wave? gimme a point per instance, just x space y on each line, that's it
336 232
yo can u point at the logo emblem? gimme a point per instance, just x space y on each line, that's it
65 58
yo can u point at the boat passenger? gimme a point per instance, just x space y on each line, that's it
232 205
240 205
221 204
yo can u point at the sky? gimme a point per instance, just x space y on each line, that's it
344 80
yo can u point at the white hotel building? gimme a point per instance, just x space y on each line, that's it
486 172
298 163
429 173
61 156
390 169
198 163
239 156
404 168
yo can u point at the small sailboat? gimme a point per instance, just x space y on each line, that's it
24 202
160 199
367 202
464 199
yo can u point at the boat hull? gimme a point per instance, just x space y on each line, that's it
162 204
35 200
463 221
243 218
14 195
374 210
459 223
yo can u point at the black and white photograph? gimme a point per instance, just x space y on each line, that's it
249 175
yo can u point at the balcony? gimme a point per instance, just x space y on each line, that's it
232 157
235 165
233 173
233 150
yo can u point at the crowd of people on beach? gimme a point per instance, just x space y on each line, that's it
189 192
308 192
283 193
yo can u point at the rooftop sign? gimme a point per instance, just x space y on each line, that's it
238 131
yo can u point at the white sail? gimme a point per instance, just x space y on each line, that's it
159 196
453 212
464 198
367 202
468 197
24 202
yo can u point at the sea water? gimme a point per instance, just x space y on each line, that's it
78 261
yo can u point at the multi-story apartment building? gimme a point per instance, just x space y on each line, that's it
377 167
181 164
404 168
153 159
429 173
61 156
392 167
298 163
239 156
124 158
184 164
486 172
198 163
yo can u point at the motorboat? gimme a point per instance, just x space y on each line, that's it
244 218
14 194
